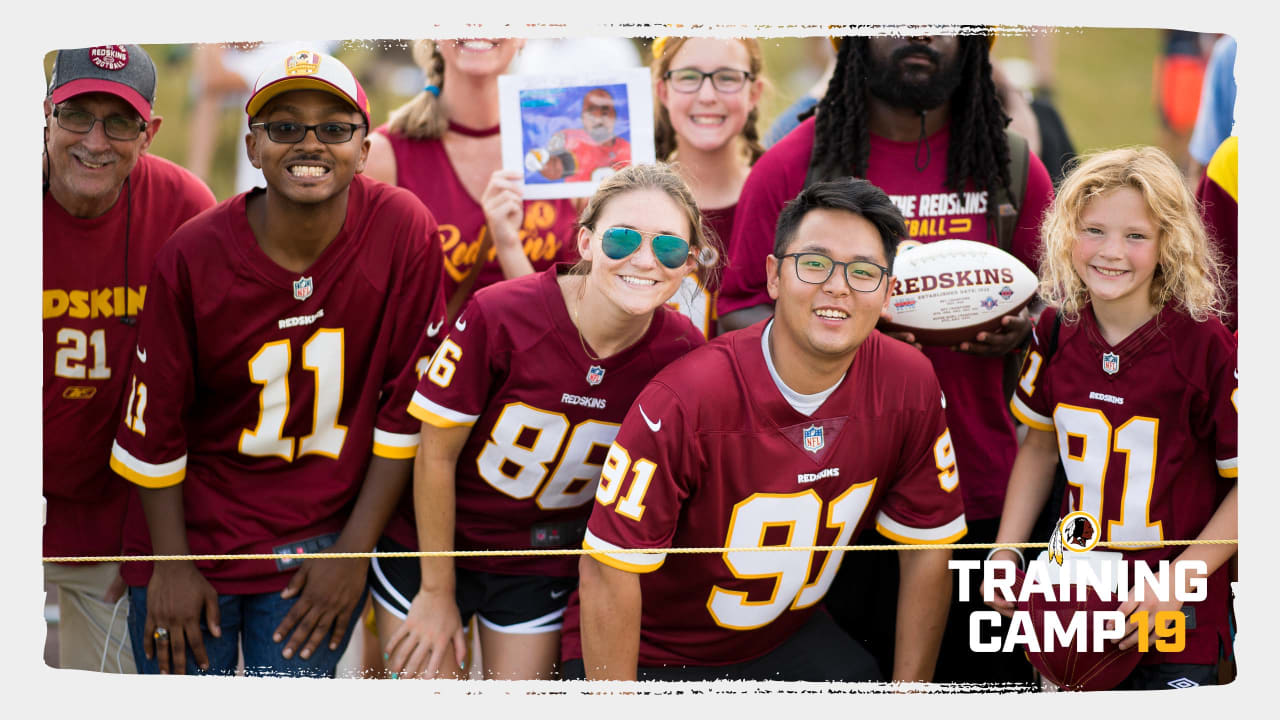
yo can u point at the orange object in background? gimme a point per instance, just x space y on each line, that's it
1180 78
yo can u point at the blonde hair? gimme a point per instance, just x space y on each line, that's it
1189 269
705 247
424 117
664 135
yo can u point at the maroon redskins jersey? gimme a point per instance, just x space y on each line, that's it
88 347
694 300
1147 434
542 413
712 455
264 391
547 233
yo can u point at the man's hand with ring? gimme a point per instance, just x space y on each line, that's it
177 596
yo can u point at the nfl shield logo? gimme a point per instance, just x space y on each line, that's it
595 374
813 438
302 288
1110 363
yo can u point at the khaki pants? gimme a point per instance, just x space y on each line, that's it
85 626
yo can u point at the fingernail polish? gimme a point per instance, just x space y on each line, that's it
386 656
395 676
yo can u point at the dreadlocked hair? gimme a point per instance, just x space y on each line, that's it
664 135
978 153
424 116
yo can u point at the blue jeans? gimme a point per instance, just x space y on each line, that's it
247 622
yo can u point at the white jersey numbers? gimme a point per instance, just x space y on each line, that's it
322 354
526 440
611 477
1086 459
444 363
73 348
795 518
694 302
944 457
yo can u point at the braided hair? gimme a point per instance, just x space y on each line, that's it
424 116
978 153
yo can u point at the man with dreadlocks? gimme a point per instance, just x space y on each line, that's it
918 116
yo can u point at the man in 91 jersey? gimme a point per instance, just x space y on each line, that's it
266 413
795 432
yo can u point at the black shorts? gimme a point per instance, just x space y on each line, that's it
520 604
818 652
1169 676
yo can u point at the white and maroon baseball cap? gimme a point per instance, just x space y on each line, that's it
307 70
125 71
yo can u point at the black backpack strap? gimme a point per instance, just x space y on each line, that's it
1004 204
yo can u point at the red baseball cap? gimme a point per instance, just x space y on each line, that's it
125 71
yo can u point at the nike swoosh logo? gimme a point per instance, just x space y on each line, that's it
557 594
142 354
433 329
460 325
654 426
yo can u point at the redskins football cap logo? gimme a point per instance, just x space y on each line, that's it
303 62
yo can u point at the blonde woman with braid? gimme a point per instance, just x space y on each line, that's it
444 146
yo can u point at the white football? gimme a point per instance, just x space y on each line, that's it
946 292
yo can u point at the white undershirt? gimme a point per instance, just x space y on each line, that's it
806 405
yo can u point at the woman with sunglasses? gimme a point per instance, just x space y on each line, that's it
519 407
444 146
707 90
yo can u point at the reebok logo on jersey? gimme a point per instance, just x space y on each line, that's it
654 426
820 475
1106 398
142 354
460 325
298 320
433 329
596 403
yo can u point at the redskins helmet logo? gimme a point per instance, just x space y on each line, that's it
1077 532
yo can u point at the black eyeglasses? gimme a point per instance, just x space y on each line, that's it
816 269
689 80
288 132
117 127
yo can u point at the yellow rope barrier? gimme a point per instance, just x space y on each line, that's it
582 551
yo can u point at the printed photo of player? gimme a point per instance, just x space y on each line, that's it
569 134
591 152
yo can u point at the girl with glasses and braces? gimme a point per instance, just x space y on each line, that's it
707 91
519 407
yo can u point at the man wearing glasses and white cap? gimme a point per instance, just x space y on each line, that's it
270 412
108 206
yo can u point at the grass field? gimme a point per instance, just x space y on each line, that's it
1104 88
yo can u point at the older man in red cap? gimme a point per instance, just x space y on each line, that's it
269 415
108 206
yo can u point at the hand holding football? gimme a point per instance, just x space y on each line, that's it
948 291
